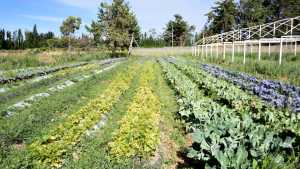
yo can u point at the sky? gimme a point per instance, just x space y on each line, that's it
49 14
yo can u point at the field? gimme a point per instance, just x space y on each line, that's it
89 110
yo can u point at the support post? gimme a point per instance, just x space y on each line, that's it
295 48
269 49
251 49
292 24
260 31
244 53
202 51
205 50
259 50
224 51
280 54
193 51
233 52
274 30
217 48
211 50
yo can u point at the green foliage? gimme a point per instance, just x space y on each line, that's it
21 41
138 136
95 30
229 14
252 12
228 138
50 148
69 26
180 30
221 18
151 39
115 25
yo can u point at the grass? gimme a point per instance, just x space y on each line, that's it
172 135
158 52
267 68
27 59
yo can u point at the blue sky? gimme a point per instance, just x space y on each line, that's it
48 14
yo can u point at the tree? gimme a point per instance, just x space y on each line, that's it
69 26
29 42
290 8
177 31
20 40
9 40
35 37
222 17
252 12
2 39
95 30
151 39
117 24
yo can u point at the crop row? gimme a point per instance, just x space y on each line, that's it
23 104
225 138
274 92
227 94
49 150
138 136
21 74
40 79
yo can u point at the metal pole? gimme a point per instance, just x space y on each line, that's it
251 49
259 50
244 53
211 50
292 23
193 51
295 48
205 50
217 47
269 49
202 51
259 31
232 59
224 51
274 30
280 54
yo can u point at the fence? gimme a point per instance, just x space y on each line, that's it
166 51
282 32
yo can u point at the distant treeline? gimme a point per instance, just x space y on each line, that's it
19 40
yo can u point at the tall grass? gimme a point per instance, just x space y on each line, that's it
24 59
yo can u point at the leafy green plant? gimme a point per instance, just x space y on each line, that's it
50 149
226 138
139 134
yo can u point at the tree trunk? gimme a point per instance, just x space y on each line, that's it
69 48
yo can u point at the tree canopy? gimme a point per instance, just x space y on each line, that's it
178 31
115 25
228 14
69 26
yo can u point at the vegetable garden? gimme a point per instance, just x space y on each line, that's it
146 112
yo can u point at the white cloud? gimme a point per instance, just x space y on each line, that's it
43 18
86 4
